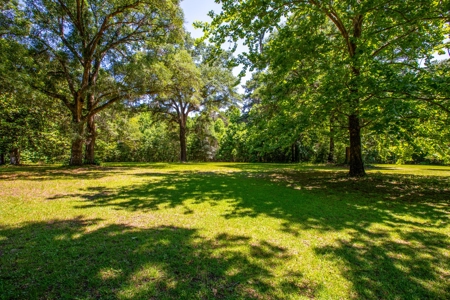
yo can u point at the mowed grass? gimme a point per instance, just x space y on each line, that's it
224 231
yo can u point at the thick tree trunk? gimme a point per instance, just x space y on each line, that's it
89 157
14 156
183 146
2 158
356 162
76 157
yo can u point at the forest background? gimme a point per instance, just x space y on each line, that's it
84 82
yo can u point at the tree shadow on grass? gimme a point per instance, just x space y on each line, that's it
410 266
44 173
395 247
76 259
298 197
410 259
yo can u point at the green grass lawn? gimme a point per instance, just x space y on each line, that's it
224 231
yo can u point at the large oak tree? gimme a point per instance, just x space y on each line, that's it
78 46
356 45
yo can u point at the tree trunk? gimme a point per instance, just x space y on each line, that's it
183 146
293 152
331 153
347 155
89 156
356 162
76 157
2 158
14 156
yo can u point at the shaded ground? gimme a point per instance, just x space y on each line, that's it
61 260
232 231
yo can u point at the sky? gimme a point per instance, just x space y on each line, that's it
197 10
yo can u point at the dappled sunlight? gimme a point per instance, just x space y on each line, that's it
120 261
109 273
421 170
383 267
144 281
277 234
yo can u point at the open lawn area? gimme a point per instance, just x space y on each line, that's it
224 231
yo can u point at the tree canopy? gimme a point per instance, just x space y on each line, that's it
78 46
346 57
351 82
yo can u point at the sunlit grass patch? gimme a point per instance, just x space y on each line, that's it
224 231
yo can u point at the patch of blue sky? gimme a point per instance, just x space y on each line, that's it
197 10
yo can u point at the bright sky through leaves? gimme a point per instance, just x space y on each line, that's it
197 10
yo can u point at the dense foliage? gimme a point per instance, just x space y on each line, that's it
349 82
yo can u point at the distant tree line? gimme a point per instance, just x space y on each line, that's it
351 82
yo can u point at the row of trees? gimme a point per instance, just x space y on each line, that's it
138 134
347 81
88 55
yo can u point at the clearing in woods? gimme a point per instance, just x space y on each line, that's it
224 231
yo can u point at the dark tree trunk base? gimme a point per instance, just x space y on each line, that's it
14 157
331 153
356 162
183 145
76 156
89 157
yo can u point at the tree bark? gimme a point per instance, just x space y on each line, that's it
347 155
331 152
89 155
356 162
2 158
183 146
14 156
76 157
